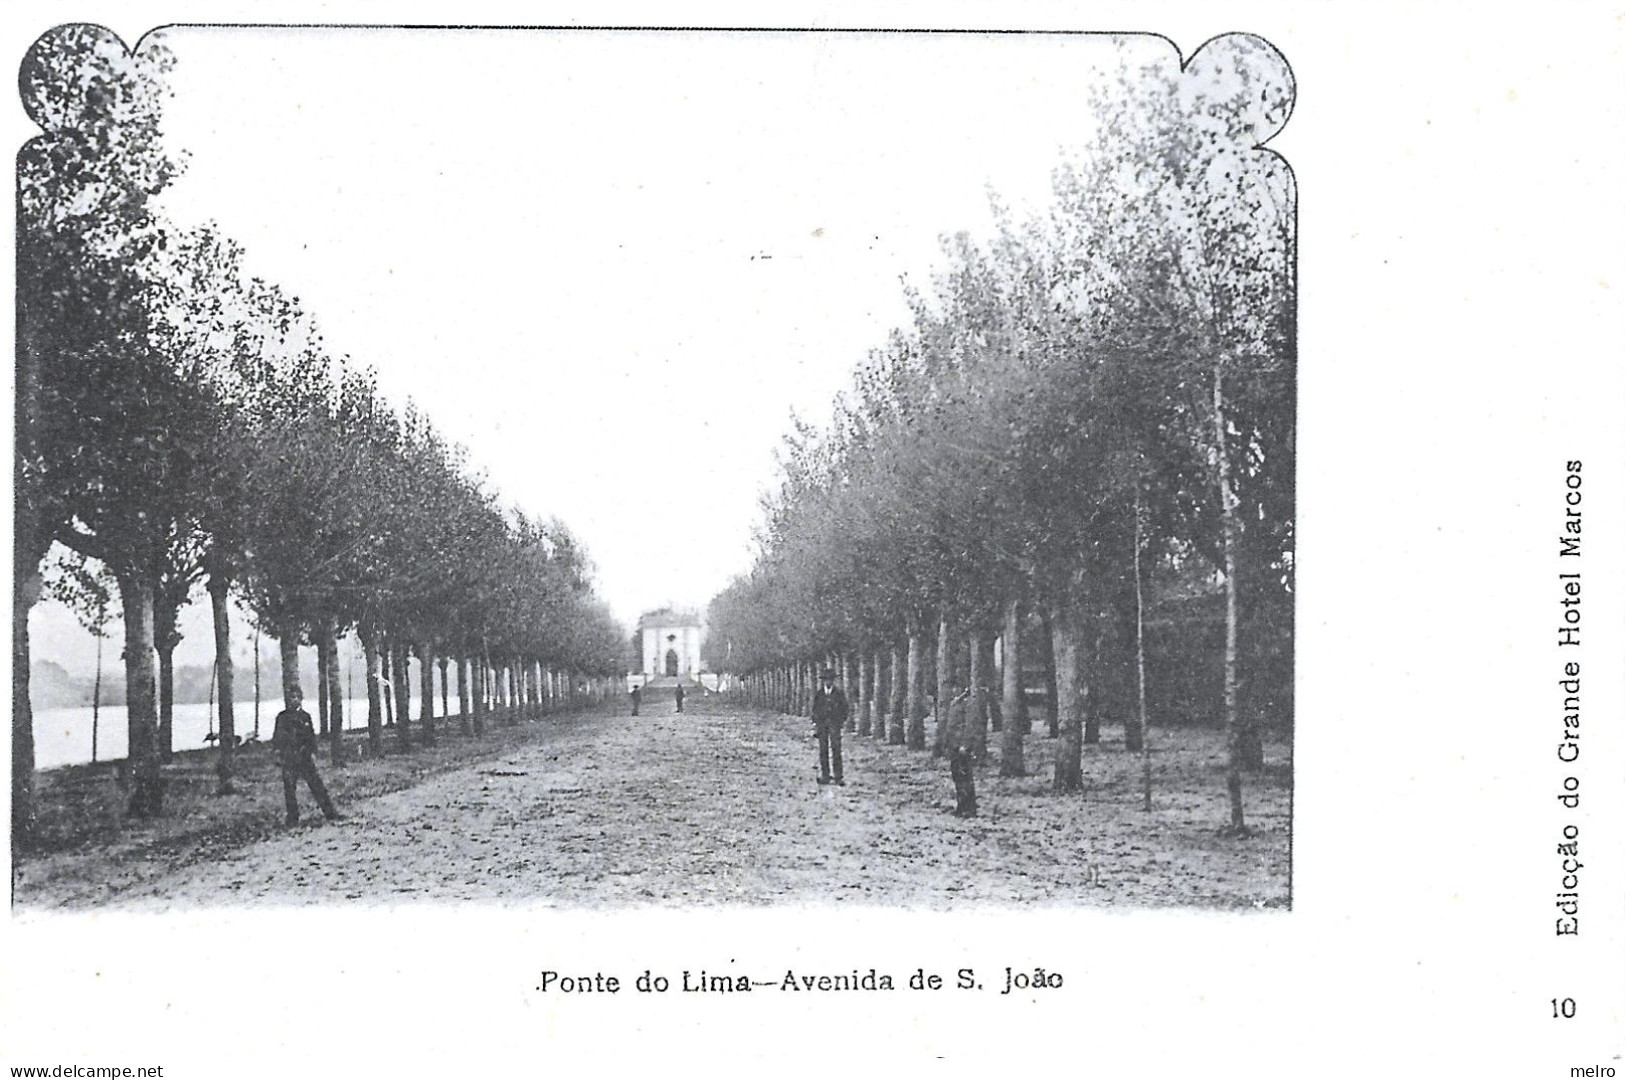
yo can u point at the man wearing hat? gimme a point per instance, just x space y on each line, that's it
829 716
957 717
295 743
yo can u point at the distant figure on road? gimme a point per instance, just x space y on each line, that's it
959 752
829 712
679 697
295 743
637 699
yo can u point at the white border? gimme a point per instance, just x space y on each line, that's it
1461 247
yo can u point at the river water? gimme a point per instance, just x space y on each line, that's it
63 736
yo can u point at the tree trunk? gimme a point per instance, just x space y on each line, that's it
375 706
1141 730
289 645
975 737
146 786
165 639
96 703
1052 690
319 637
945 677
166 698
879 694
1094 658
426 677
256 683
1071 695
226 677
1235 738
990 667
386 658
897 718
25 593
31 541
916 688
335 694
1124 666
445 686
851 692
403 692
464 718
1012 743
866 692
477 691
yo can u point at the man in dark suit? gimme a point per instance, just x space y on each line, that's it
829 712
960 770
294 740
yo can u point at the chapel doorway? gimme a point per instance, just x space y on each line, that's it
671 661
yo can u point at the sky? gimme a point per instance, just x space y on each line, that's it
612 264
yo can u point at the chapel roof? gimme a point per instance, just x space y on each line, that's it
669 616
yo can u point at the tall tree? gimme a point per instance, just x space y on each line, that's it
83 229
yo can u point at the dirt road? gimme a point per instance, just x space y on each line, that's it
718 805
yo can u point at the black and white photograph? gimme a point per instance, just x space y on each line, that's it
847 418
590 532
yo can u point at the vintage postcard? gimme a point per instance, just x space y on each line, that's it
814 541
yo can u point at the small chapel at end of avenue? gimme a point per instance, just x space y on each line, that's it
672 640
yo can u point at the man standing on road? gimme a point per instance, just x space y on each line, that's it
829 716
637 699
294 740
679 697
958 719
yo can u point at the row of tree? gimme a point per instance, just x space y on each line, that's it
1095 406
181 423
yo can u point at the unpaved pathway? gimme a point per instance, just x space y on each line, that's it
719 805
